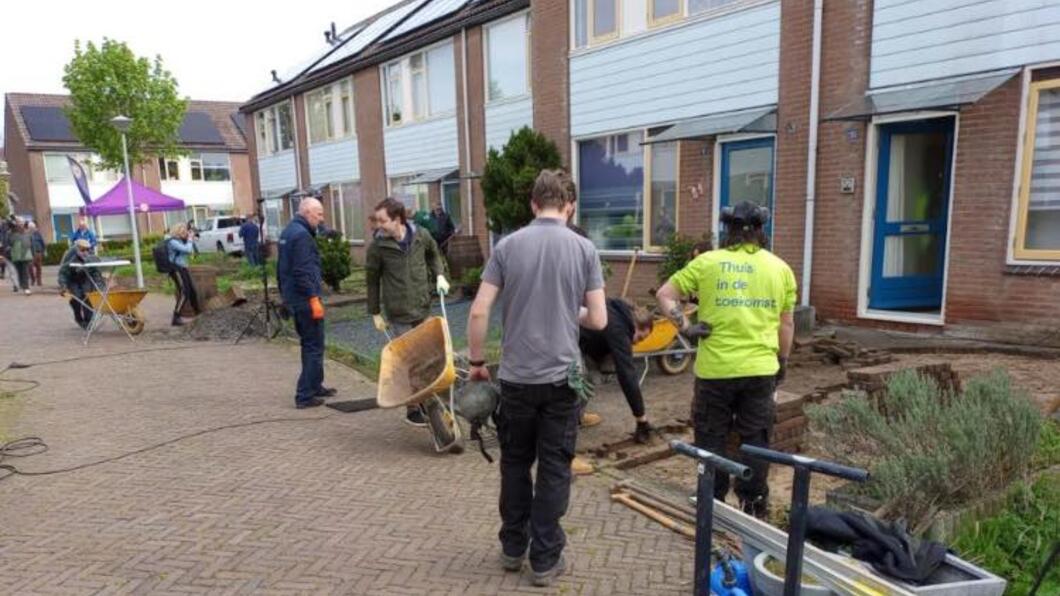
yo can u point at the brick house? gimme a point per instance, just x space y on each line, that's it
668 110
213 177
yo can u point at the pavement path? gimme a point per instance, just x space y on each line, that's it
315 502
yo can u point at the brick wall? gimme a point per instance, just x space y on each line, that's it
847 28
369 123
21 182
549 45
301 140
242 194
789 192
476 124
695 197
252 153
979 289
643 280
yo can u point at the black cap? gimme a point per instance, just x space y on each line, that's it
745 213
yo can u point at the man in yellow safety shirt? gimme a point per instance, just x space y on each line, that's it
746 328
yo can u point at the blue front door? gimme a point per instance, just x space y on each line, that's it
747 175
912 200
62 226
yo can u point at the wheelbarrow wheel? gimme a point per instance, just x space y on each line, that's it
134 321
440 422
674 364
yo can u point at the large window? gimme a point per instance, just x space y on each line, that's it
627 192
420 86
210 167
274 129
168 169
329 111
507 70
57 168
1038 230
601 21
611 191
451 201
663 167
347 208
414 196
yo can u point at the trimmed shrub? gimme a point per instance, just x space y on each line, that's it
53 253
932 450
334 259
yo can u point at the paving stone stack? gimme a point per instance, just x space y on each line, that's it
826 349
873 380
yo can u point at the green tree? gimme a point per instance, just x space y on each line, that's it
110 80
334 259
509 177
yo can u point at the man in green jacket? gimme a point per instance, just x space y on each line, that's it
401 264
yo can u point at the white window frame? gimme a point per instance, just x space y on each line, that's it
868 224
332 96
645 247
192 163
270 117
163 169
403 68
528 62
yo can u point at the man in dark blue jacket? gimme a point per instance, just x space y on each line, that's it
249 233
299 277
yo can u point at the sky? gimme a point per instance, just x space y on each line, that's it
216 49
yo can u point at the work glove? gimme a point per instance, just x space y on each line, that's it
697 331
580 383
316 308
442 286
379 322
782 371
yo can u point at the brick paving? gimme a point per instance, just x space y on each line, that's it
324 503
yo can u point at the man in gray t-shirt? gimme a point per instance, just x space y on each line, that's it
549 282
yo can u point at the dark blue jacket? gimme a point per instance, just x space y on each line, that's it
249 233
298 268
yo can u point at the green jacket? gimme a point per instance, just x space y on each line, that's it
21 246
400 283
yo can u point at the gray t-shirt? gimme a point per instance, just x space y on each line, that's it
543 272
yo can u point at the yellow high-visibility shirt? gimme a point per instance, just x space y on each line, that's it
742 293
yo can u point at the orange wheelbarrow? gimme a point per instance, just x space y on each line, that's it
665 344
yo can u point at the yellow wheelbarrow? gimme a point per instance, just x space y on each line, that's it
665 344
414 370
122 305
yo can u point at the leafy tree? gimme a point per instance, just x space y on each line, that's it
4 209
509 177
334 259
110 80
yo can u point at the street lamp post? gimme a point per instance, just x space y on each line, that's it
122 124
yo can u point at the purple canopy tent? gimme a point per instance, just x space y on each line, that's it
116 200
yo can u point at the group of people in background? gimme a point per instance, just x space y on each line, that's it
21 245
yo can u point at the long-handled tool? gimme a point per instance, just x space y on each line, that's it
800 498
708 462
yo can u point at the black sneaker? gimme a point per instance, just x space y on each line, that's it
642 435
177 321
757 507
326 391
313 403
414 417
543 579
512 564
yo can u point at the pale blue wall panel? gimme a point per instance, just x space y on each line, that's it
918 41
277 172
422 146
502 119
703 67
334 162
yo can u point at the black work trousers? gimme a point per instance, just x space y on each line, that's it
536 422
184 288
745 405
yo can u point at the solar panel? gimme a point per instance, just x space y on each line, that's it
240 123
47 123
369 34
198 128
433 11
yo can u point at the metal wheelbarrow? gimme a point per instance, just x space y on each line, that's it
415 369
121 305
665 344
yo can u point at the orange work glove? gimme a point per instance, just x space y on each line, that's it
316 308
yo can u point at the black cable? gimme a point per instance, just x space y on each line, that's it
36 445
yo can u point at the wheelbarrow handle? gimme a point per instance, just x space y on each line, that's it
801 461
726 465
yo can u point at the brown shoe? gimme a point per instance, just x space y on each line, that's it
579 466
590 419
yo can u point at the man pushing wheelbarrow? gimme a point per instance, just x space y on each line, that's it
403 267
